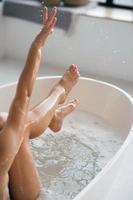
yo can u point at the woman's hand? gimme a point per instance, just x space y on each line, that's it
49 22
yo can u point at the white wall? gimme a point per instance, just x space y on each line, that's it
98 46
1 33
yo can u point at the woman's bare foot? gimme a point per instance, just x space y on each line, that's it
60 113
69 79
67 82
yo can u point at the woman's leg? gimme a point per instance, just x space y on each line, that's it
23 171
39 119
37 115
24 182
12 135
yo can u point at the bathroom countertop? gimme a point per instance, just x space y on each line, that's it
31 10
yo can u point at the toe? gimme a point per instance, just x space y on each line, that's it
73 68
69 107
73 72
74 102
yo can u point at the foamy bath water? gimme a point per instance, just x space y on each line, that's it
67 161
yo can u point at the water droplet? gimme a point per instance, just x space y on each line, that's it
115 51
123 62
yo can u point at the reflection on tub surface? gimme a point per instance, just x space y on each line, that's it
69 160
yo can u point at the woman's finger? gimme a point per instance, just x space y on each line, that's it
52 16
45 15
50 28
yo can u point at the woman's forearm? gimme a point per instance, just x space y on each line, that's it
30 70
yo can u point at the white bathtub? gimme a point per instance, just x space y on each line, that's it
114 105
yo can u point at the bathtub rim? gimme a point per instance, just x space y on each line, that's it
81 78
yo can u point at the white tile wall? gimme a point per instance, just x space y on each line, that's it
98 46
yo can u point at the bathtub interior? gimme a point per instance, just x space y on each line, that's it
102 99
